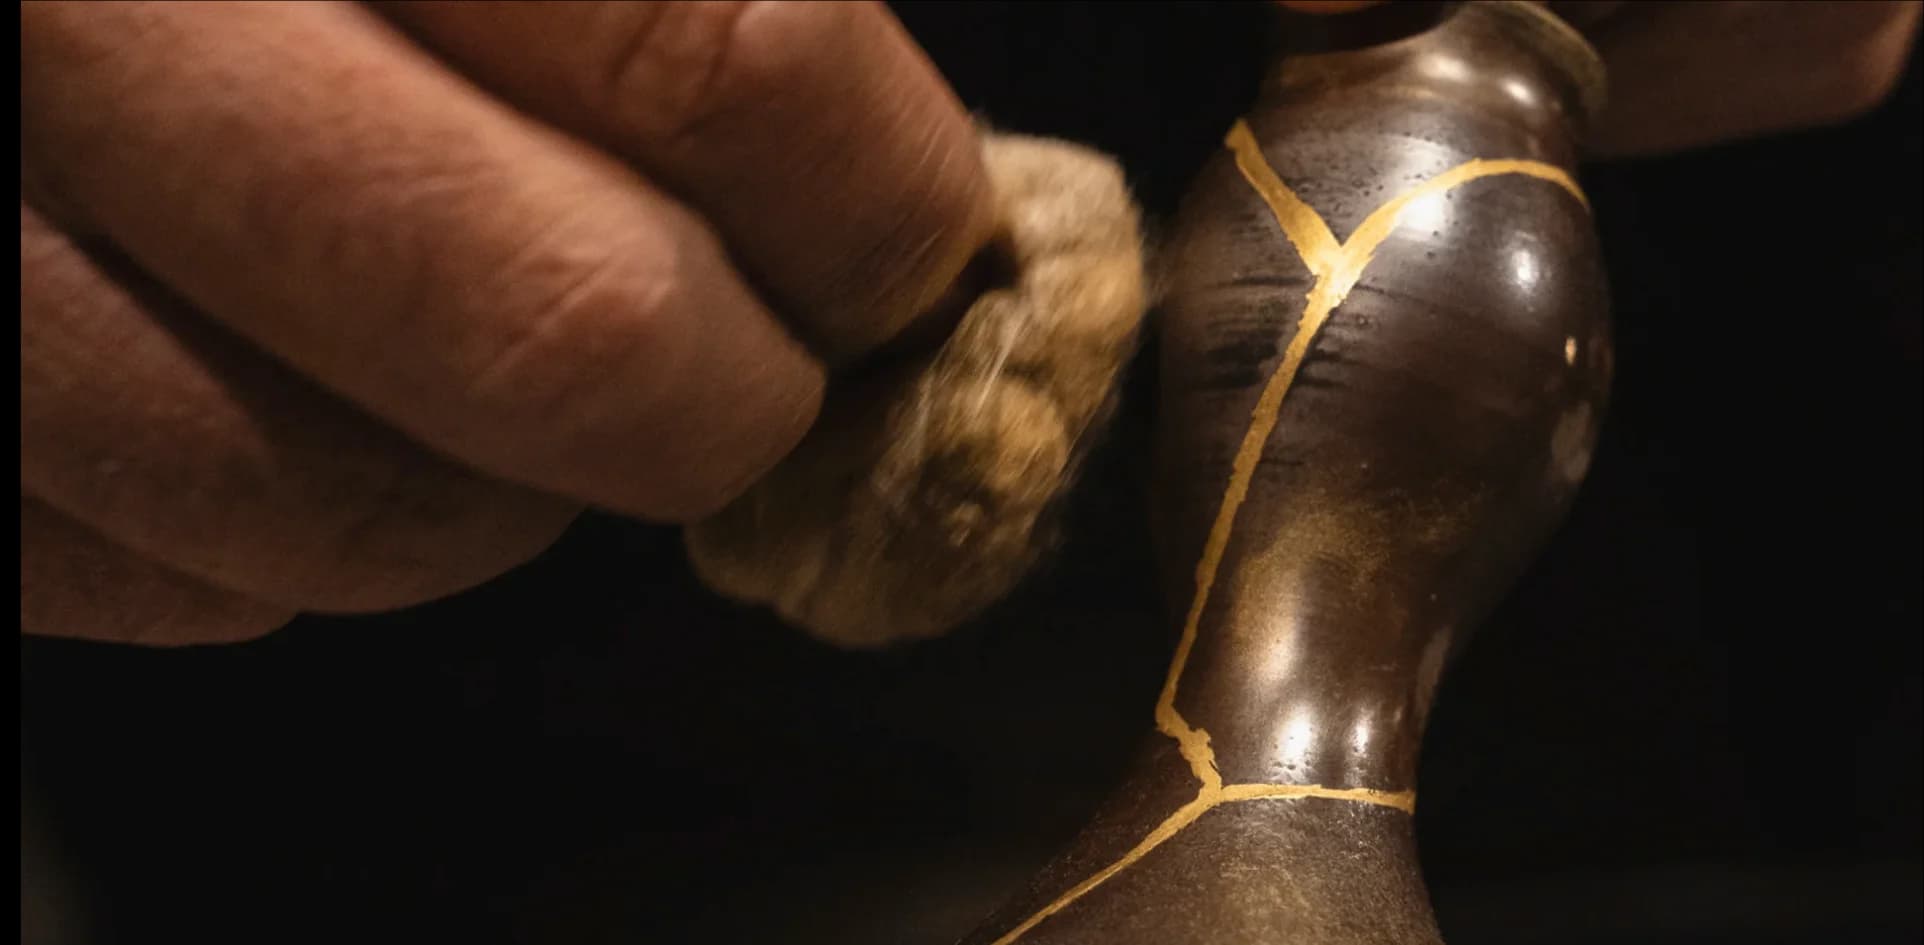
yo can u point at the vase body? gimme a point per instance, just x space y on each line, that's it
1385 356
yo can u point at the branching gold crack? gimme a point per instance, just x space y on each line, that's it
1205 801
1336 268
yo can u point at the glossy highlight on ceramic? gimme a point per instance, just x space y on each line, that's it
1336 268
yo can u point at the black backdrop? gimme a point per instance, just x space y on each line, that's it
1696 720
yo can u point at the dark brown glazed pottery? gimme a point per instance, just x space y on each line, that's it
1385 357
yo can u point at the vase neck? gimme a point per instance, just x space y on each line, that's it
1512 62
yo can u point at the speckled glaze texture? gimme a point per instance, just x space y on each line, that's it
1385 358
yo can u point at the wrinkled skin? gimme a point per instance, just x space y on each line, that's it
343 307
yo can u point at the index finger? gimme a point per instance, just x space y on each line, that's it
502 294
838 166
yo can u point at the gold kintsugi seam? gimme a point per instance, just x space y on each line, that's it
1336 267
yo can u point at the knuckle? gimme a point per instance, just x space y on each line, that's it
568 322
421 539
908 266
76 583
371 542
600 336
222 619
671 71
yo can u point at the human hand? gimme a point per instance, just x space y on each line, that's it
311 321
1703 72
1691 74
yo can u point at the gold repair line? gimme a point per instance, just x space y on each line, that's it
1301 224
1204 802
1306 230
1404 801
1336 267
1360 248
1183 817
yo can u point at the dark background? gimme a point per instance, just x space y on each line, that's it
1697 720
